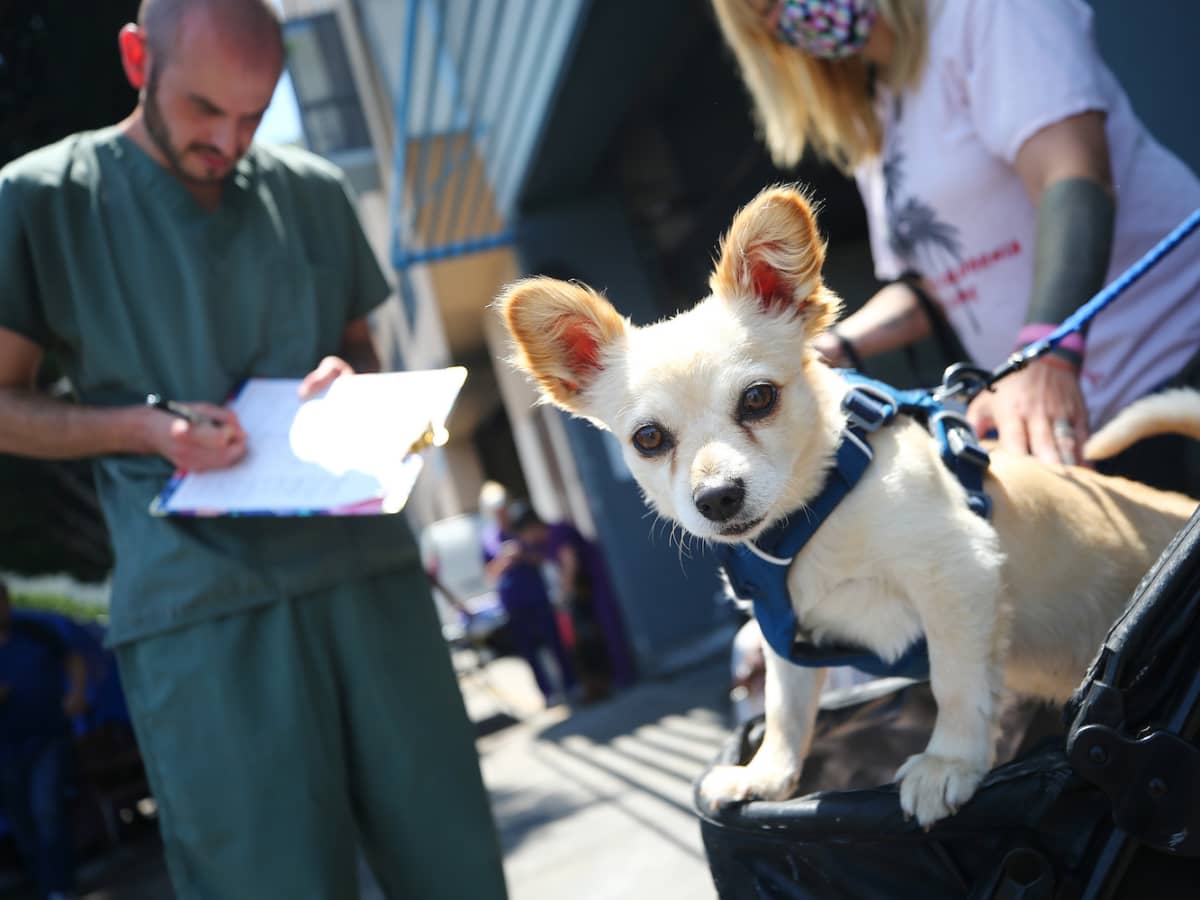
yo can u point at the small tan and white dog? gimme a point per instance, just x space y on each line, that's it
729 420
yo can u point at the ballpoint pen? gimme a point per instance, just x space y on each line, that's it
178 409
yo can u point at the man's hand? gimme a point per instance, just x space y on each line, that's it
1038 410
197 447
326 373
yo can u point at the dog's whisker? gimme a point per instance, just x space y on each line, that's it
655 525
685 549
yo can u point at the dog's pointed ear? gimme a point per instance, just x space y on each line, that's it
561 331
772 256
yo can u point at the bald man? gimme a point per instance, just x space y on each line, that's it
291 692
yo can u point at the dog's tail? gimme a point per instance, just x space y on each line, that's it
1170 412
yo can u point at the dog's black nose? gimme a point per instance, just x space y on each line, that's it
720 503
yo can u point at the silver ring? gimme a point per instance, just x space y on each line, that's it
1063 428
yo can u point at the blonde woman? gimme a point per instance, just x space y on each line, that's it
1005 176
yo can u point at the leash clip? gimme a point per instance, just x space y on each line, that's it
965 380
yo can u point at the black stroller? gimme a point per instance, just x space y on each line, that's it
1100 800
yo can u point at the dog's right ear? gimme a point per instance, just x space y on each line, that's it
561 331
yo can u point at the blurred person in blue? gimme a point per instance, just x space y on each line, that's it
43 686
1006 179
291 692
600 648
516 571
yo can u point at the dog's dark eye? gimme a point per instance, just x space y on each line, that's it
650 440
757 400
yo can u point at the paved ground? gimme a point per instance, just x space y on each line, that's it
597 805
591 804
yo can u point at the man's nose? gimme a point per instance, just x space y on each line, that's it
225 139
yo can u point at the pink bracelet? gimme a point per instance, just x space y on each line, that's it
1035 332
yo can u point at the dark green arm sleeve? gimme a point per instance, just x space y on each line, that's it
1075 223
20 302
368 285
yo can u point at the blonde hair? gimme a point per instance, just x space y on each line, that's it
826 103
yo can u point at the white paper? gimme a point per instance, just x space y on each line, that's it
337 452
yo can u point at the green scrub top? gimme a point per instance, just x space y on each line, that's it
108 261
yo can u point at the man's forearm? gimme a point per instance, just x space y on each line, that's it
32 424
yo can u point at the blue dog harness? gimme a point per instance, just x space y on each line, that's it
757 570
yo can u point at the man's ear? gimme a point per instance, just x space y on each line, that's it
131 41
772 256
561 332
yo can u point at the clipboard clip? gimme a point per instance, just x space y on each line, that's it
432 436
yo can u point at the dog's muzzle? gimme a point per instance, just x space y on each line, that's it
721 502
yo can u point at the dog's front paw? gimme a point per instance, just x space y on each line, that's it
724 785
932 787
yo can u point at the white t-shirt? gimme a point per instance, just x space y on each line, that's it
943 198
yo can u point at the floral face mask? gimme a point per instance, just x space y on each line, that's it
829 29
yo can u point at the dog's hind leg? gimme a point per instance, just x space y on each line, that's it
791 696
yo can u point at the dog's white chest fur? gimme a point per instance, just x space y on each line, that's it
854 580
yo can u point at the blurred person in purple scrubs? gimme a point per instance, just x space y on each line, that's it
517 575
601 648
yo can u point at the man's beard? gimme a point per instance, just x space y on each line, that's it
160 134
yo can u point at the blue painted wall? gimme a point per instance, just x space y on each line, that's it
1151 46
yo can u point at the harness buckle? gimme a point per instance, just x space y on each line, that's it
868 408
980 504
967 459
963 445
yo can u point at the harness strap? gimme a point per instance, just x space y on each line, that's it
757 570
872 404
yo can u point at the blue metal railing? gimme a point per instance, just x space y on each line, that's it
475 79
462 105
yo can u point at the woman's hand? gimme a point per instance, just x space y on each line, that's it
827 344
891 318
1038 410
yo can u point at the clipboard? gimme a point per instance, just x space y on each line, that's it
354 450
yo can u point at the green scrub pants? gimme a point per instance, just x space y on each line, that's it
279 741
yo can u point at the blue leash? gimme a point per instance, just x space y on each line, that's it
967 381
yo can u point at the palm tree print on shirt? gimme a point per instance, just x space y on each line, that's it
915 234
922 241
